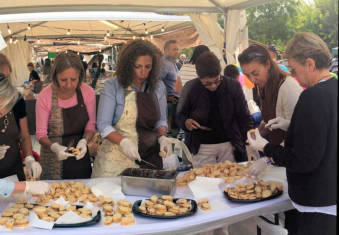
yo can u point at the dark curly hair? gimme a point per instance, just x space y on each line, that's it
207 65
127 57
65 61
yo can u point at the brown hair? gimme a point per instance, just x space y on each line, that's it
65 61
127 57
5 62
169 42
207 65
308 45
276 77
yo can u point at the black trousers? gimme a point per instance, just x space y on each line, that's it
298 223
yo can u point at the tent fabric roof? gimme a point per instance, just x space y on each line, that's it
160 6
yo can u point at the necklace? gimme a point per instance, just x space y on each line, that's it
6 123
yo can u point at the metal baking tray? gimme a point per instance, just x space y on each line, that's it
147 182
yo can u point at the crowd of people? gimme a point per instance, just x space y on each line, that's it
145 102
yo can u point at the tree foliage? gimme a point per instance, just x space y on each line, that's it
279 21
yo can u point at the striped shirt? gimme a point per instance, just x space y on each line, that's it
187 73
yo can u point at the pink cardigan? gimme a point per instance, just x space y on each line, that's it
44 106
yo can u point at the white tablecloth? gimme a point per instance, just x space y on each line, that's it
222 213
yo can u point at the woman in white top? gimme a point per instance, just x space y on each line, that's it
278 91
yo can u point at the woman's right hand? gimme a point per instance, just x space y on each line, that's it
191 124
130 149
60 151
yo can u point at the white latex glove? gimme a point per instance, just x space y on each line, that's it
130 149
3 150
60 151
259 142
252 153
82 145
278 123
165 145
36 187
33 167
257 167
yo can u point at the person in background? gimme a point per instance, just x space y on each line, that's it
216 114
33 75
169 75
132 112
231 71
181 61
14 129
34 78
8 188
65 117
274 55
84 63
103 70
278 91
46 71
310 150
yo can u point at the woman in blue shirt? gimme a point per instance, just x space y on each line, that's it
132 112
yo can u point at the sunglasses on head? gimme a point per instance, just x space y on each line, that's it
246 57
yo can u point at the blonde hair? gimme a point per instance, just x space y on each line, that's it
308 45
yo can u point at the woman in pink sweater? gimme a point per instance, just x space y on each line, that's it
65 117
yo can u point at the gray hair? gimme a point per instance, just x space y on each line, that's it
308 45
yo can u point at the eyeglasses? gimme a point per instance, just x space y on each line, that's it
244 57
216 82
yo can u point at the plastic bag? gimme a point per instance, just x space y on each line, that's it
172 161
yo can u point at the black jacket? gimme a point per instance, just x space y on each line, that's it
310 152
232 107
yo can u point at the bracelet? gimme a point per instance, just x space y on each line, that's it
268 160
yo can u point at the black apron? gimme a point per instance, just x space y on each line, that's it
75 120
11 164
148 115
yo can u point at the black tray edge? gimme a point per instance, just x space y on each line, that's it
93 221
136 210
279 193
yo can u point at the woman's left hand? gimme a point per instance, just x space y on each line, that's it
33 167
165 145
82 146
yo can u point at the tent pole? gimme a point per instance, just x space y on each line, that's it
225 21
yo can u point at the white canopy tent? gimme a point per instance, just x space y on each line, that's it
47 22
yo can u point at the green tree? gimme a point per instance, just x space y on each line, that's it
320 18
279 21
271 23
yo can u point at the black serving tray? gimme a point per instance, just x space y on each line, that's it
193 210
93 221
279 193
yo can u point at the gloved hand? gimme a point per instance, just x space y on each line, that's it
257 167
130 149
278 123
3 150
252 154
82 145
259 142
33 167
60 151
165 145
36 187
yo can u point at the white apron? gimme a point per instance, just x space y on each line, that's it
110 160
